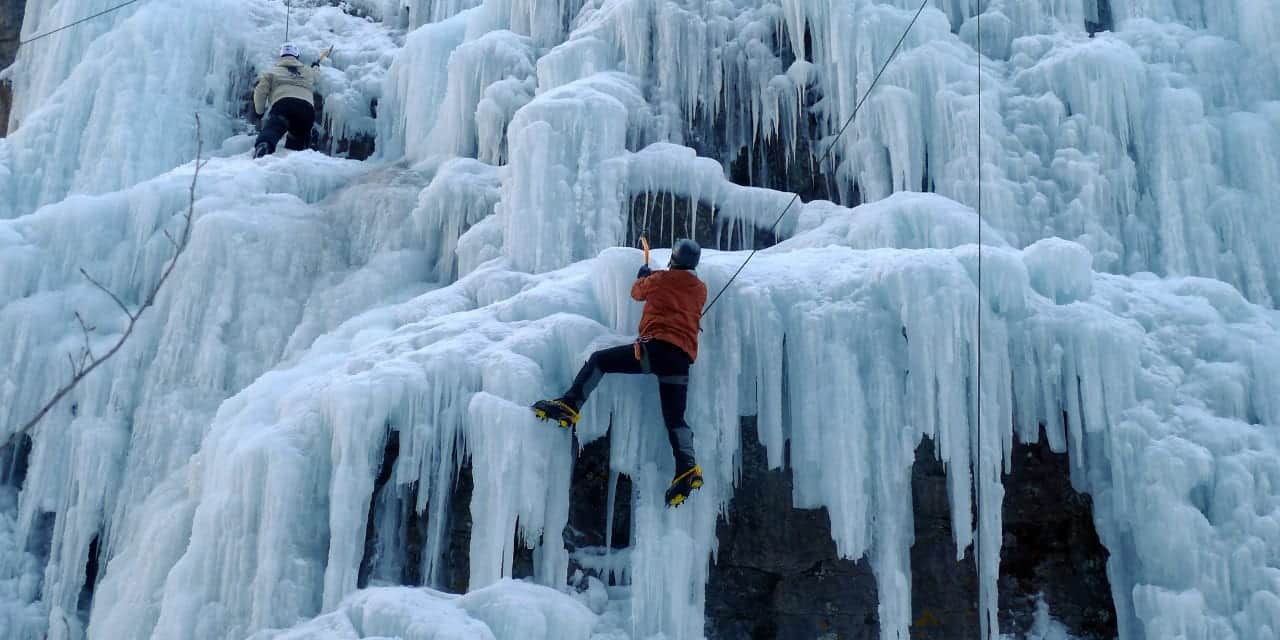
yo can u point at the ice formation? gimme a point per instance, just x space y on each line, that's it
504 611
220 471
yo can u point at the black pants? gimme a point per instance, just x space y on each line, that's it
292 116
659 358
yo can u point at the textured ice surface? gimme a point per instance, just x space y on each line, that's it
504 611
225 461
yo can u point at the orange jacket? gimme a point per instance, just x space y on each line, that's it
673 307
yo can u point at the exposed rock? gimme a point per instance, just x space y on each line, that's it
357 147
778 576
663 217
944 592
589 502
411 531
14 460
11 12
771 166
1051 547
1104 20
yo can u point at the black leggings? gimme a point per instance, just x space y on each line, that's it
292 116
659 358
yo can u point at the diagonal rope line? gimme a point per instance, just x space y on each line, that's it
80 21
978 475
827 153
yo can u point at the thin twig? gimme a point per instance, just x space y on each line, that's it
99 285
86 355
79 373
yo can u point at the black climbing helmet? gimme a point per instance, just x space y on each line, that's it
685 254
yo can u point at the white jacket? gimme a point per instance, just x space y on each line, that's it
287 78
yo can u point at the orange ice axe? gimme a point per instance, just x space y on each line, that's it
644 242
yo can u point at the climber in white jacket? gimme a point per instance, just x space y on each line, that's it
286 94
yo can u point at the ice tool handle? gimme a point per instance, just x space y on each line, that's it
323 54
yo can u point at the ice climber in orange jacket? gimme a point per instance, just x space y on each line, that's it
666 348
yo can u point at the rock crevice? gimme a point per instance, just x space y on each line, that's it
11 12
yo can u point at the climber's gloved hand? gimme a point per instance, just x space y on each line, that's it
643 272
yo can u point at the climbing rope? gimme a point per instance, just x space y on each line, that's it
288 14
985 624
831 146
80 21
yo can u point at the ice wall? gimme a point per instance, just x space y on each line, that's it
1087 138
236 312
1058 341
110 103
225 462
508 610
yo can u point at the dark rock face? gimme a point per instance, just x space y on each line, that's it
1105 21
772 166
411 527
1051 547
589 502
665 217
11 12
14 460
357 147
944 592
778 576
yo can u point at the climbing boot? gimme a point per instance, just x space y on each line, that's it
263 149
683 485
561 410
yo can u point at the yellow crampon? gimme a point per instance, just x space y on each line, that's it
676 497
565 421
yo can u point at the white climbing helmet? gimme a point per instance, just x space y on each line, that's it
289 49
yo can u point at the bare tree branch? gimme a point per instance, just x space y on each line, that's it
79 373
86 354
107 291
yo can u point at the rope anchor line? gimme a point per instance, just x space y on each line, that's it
287 16
826 153
77 22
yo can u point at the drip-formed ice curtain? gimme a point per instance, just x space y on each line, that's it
215 480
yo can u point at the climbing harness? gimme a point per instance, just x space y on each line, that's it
831 146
